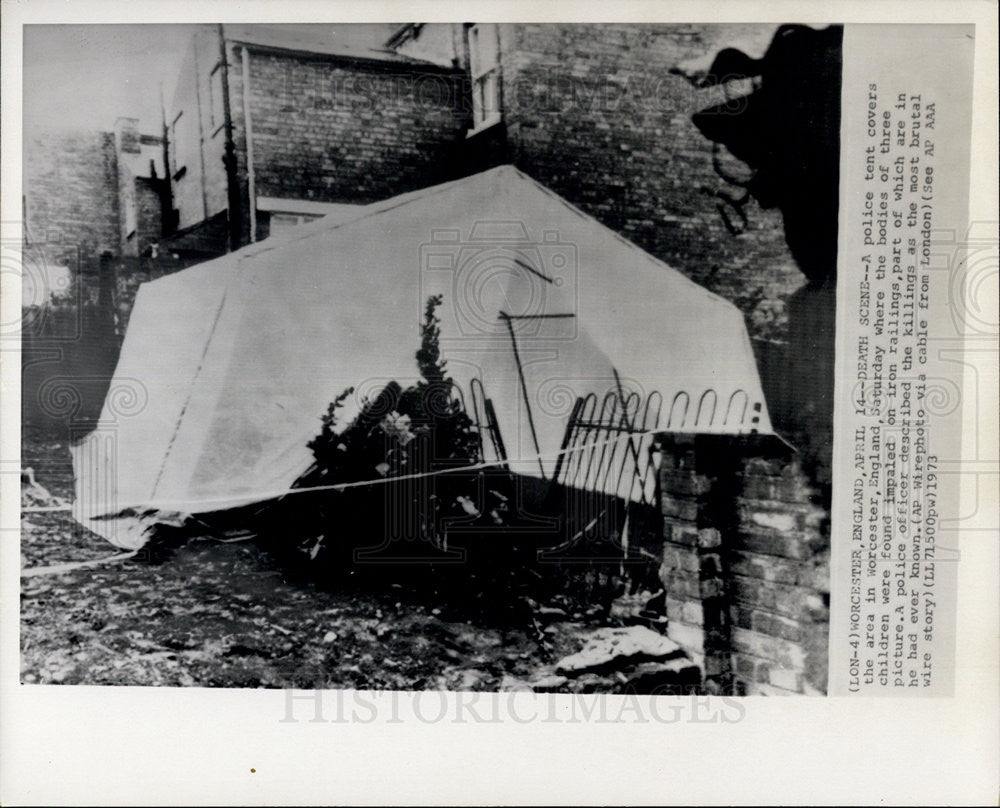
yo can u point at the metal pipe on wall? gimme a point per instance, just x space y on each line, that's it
248 125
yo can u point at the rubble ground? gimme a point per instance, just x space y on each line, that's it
225 614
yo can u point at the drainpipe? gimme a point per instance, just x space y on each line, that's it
235 213
201 131
248 126
167 221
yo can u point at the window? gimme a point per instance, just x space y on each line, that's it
283 215
281 223
484 65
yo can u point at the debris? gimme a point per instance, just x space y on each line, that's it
59 675
548 683
34 494
608 646
592 683
471 679
203 630
511 684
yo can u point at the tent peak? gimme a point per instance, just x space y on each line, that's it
506 176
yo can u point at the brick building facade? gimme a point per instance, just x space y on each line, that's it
93 193
289 126
609 129
602 115
70 196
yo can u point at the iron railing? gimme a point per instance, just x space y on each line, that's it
607 446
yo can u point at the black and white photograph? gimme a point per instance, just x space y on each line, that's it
463 356
583 372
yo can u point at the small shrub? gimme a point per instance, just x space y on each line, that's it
418 439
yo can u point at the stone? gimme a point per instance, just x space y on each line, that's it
690 637
511 684
608 647
548 683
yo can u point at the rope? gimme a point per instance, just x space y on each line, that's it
47 508
265 495
57 569
69 566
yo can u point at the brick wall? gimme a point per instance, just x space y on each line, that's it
698 511
594 112
149 214
778 567
745 563
70 181
331 131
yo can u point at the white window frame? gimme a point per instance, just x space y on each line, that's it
305 210
485 76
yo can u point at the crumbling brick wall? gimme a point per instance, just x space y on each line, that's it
745 562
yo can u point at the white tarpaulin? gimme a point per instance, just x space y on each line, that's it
235 360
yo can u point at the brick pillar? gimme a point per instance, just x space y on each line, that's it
745 562
779 577
698 500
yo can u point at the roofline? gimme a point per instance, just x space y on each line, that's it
393 61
